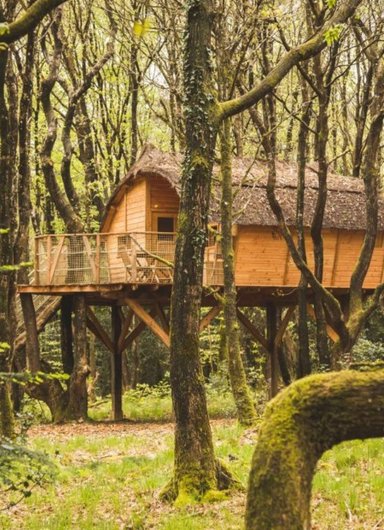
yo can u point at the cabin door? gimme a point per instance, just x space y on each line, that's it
164 224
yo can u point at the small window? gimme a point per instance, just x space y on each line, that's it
165 224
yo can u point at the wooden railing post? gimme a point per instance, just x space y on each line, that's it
37 263
49 250
134 259
97 259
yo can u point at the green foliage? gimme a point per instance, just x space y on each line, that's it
141 27
331 3
21 470
23 378
333 34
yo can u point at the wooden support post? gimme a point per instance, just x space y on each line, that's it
66 334
116 367
272 318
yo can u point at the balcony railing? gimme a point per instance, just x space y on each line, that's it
128 258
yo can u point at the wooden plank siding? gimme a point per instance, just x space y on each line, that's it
163 201
262 258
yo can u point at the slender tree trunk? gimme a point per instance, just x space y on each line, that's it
245 409
78 399
306 419
6 249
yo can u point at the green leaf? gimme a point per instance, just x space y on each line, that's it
333 34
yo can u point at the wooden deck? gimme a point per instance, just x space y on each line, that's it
106 261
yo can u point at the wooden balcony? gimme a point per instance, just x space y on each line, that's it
112 258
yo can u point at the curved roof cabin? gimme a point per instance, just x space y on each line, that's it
136 242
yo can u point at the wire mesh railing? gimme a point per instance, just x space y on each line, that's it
131 258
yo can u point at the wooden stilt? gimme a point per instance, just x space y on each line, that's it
272 318
66 334
116 367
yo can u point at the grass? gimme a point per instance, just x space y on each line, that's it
148 405
109 477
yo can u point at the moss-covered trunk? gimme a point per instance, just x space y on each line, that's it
195 471
308 418
7 168
245 409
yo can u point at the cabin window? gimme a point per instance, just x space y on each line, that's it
165 224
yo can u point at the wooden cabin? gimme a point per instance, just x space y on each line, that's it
129 262
136 242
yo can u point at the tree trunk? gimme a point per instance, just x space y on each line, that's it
308 418
195 469
245 409
78 399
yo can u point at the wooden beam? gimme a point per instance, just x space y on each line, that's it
162 316
116 366
127 321
98 330
272 322
252 329
207 319
149 320
330 331
133 335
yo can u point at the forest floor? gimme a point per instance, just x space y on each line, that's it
109 476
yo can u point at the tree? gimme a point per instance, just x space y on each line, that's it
304 421
195 467
10 31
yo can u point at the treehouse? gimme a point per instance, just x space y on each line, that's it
136 243
128 265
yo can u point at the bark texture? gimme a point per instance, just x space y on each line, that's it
195 471
246 413
303 422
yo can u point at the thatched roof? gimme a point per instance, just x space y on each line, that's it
345 204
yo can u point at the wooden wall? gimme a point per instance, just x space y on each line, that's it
163 200
262 258
129 214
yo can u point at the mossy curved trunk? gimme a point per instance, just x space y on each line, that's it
302 422
195 469
245 409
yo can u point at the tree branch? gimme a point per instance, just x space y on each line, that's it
29 20
301 53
